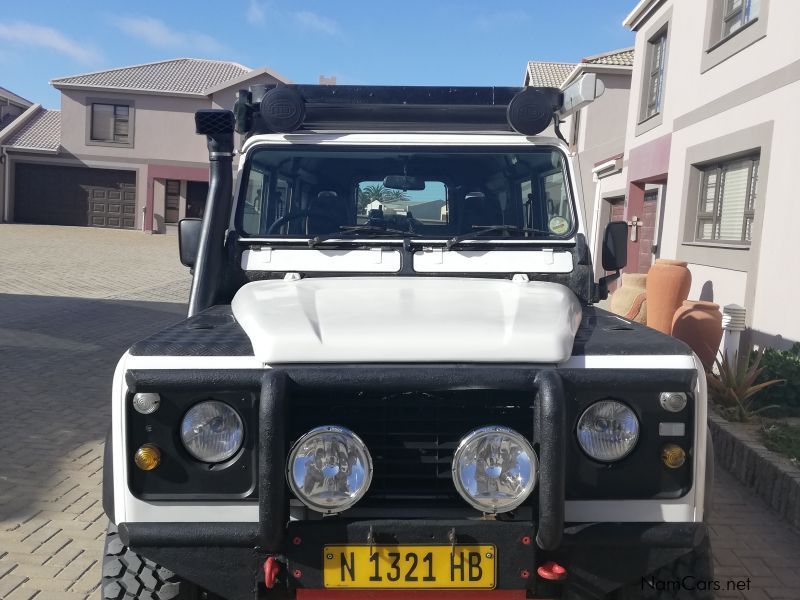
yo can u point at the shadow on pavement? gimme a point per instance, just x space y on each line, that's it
57 359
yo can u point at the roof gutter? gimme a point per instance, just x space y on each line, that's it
118 90
639 13
18 122
595 68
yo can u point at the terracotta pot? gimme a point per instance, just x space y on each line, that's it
668 283
630 300
699 324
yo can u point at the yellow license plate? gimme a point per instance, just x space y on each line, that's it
409 567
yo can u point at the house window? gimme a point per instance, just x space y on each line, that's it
727 201
656 60
110 123
736 14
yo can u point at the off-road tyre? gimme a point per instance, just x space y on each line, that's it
126 575
694 568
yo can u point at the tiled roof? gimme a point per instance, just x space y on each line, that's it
622 58
42 131
548 74
178 76
4 93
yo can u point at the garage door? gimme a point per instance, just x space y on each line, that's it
58 195
110 207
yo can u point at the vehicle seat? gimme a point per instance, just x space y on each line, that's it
477 209
327 212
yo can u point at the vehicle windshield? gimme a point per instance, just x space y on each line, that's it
429 193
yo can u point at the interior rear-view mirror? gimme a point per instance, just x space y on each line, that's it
403 182
189 240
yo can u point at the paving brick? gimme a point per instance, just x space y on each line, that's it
68 310
9 583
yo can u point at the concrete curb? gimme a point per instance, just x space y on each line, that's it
771 476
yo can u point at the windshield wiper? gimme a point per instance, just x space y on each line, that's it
484 229
354 230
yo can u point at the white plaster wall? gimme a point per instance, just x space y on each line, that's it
686 88
778 285
777 270
728 286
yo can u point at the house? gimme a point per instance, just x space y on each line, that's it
596 133
122 151
711 152
11 106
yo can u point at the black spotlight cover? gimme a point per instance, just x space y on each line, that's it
531 110
283 110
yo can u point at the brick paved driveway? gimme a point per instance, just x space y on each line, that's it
71 301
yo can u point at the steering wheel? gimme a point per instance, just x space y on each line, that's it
302 214
285 219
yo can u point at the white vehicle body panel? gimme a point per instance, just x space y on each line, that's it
330 260
437 260
407 319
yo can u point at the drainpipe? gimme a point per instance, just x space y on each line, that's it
5 216
217 126
733 324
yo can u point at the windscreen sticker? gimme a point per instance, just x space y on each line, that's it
558 225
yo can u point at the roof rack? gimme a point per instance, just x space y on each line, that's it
287 108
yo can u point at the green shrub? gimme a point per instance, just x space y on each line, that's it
783 365
782 438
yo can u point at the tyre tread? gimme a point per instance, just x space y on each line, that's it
126 575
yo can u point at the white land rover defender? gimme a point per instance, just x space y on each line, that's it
393 381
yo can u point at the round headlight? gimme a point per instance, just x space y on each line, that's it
212 431
608 430
329 469
494 469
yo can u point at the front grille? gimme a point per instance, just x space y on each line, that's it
412 435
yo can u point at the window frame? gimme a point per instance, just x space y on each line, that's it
661 27
718 47
738 144
714 217
728 13
656 47
115 103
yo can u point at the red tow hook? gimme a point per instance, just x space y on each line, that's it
271 569
552 571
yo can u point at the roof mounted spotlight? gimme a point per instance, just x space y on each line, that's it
283 109
531 110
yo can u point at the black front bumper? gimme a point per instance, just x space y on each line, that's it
227 559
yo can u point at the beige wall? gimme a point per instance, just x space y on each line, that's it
601 135
747 102
163 127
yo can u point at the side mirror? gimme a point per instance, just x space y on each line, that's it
189 240
615 255
615 246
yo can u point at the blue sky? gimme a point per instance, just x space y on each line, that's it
409 42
